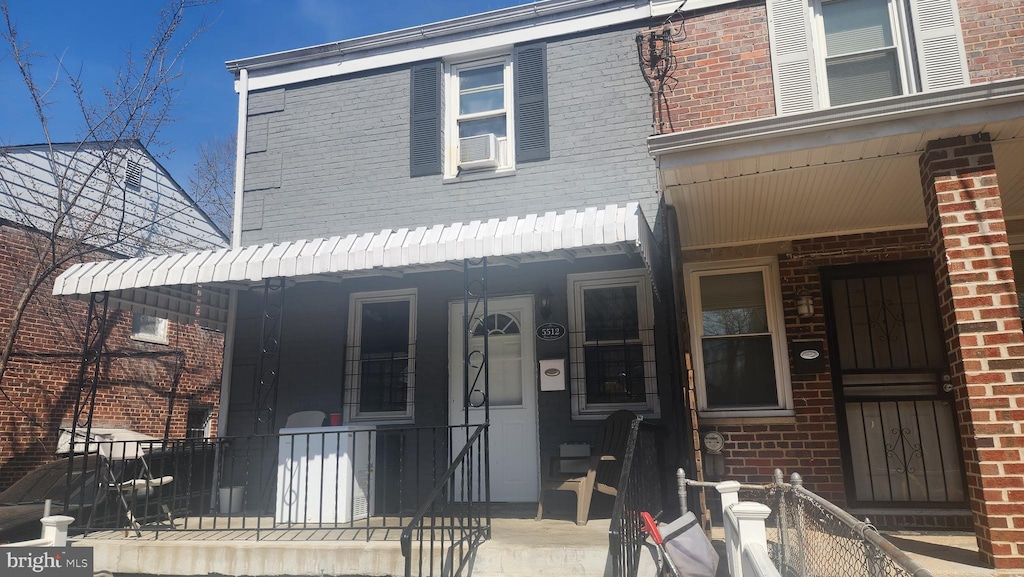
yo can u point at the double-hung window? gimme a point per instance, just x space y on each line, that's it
480 119
862 57
611 344
381 356
737 337
835 52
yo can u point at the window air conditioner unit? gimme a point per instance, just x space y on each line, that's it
478 152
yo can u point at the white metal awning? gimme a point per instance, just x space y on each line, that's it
173 286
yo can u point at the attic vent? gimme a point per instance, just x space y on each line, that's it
133 174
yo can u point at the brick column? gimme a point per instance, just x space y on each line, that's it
978 303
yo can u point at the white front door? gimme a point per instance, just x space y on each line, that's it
514 451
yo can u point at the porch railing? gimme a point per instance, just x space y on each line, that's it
443 535
332 484
639 490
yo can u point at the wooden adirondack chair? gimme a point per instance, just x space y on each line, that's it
602 474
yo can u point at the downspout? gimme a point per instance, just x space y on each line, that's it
236 241
243 114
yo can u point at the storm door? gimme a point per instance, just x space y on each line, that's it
893 397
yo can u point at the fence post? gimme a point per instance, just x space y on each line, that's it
729 490
780 496
681 479
797 481
750 518
55 529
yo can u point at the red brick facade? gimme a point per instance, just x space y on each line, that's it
723 69
138 389
993 38
978 301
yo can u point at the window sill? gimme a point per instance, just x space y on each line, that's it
150 340
479 175
601 414
760 417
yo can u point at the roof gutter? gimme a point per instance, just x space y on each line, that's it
862 120
483 21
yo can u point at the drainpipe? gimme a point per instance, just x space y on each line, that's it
243 113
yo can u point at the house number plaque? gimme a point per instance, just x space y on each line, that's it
550 332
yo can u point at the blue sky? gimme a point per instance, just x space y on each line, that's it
92 36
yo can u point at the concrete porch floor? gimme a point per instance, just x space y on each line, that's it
519 547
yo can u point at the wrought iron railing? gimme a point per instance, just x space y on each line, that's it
639 490
336 483
443 535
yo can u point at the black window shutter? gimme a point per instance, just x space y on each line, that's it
531 92
425 120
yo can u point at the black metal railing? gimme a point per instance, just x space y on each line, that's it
639 490
442 537
356 482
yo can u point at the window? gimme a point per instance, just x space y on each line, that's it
835 52
381 356
737 337
149 329
861 58
479 120
475 118
197 423
611 344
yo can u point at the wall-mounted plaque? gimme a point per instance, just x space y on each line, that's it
550 332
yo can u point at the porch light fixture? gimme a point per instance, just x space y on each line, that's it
804 304
545 302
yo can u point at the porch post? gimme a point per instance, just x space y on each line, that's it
984 342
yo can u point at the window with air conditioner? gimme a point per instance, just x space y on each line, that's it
836 52
149 329
479 119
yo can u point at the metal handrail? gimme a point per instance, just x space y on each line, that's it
438 491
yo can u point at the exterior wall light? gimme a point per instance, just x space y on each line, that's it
545 303
804 304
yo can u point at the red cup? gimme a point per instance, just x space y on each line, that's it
335 419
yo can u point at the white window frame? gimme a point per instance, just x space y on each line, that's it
207 421
158 337
352 372
507 164
576 284
900 24
769 269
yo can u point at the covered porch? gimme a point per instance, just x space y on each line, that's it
443 369
878 243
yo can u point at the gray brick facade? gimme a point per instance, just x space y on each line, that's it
332 157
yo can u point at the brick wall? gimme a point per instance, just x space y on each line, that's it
993 38
723 69
978 302
808 443
138 382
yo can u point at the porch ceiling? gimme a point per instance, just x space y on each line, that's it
829 172
168 286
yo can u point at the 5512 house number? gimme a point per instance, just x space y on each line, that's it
550 332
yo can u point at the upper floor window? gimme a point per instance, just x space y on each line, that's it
149 329
863 57
835 52
611 342
484 116
480 129
738 337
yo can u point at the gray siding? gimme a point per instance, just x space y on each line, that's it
336 157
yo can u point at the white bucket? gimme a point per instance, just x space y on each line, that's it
231 499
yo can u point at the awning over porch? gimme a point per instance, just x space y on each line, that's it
171 286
